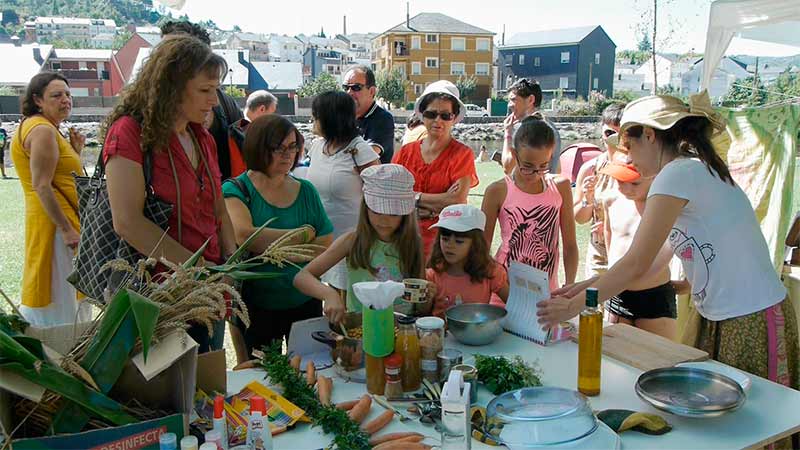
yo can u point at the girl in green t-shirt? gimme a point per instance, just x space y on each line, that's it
385 245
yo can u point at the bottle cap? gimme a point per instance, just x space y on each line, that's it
189 443
213 436
591 297
208 446
257 404
394 360
168 441
406 320
219 406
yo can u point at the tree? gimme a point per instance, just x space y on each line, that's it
7 91
235 92
237 28
785 86
466 86
644 44
649 27
746 92
391 85
323 83
121 39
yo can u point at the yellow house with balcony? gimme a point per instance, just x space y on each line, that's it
432 46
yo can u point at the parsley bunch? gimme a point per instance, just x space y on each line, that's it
500 374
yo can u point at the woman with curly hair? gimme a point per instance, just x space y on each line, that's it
158 122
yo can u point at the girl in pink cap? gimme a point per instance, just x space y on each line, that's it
461 266
384 246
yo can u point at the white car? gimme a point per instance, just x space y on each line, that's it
476 111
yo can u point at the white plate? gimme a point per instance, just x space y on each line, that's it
734 374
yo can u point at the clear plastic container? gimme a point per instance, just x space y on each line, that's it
430 331
532 417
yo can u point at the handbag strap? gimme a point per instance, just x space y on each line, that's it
177 194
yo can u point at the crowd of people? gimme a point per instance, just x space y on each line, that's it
375 213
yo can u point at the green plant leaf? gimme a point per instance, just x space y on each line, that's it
225 268
192 261
146 314
243 248
241 275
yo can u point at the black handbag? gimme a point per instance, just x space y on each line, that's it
99 243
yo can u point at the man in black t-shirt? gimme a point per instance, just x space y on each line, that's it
376 124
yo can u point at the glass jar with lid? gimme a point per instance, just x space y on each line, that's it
407 346
430 331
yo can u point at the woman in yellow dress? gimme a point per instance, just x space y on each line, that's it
45 161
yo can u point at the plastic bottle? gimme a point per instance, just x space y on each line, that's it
590 342
208 446
168 441
456 429
189 443
259 435
220 420
214 437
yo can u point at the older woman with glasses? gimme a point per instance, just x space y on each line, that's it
533 208
443 168
267 193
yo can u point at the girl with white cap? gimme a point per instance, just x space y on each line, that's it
694 204
461 266
384 246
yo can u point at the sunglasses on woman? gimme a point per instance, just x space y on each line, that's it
446 116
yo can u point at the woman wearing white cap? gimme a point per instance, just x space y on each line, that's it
694 205
384 246
443 168
461 267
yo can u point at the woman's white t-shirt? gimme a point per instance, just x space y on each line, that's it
340 189
719 242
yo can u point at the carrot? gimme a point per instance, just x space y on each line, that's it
324 388
311 373
402 445
295 362
360 411
376 440
252 364
346 406
379 422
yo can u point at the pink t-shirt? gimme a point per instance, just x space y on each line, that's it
448 287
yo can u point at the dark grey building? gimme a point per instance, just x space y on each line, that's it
575 61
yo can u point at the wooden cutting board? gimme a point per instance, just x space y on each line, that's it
643 350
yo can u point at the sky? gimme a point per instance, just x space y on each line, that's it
684 21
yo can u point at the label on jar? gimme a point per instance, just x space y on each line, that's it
429 365
392 371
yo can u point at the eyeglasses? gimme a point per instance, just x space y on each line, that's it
446 116
355 87
527 170
288 150
608 132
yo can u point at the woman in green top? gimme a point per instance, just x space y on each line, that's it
385 245
266 192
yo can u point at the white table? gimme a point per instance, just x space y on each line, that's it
771 411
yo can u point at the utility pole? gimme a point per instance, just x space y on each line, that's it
655 65
755 85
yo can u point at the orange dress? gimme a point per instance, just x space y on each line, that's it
455 162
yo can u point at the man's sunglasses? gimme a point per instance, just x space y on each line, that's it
608 132
446 116
355 87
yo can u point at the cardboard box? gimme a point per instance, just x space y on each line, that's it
167 381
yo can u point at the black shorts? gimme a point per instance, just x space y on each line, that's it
654 303
267 325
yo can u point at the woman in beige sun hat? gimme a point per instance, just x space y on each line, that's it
695 205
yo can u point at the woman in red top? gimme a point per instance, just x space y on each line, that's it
443 168
162 112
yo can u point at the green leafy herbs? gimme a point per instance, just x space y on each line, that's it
500 374
348 435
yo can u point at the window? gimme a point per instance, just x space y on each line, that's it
564 57
521 60
432 38
416 68
418 88
482 45
597 59
415 43
563 83
481 69
432 63
537 61
56 66
457 68
402 69
458 44
595 84
82 65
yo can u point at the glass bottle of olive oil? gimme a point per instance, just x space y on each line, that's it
590 341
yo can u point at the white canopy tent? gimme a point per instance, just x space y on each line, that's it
775 21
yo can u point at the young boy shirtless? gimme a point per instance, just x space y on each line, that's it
649 304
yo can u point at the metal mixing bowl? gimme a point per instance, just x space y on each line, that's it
475 323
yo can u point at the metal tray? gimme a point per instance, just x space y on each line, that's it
690 392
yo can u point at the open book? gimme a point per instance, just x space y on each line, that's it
528 286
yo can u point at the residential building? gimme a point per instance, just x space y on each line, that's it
626 79
338 43
669 69
572 61
72 29
317 60
21 63
86 70
728 72
432 46
361 45
285 48
257 45
124 59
